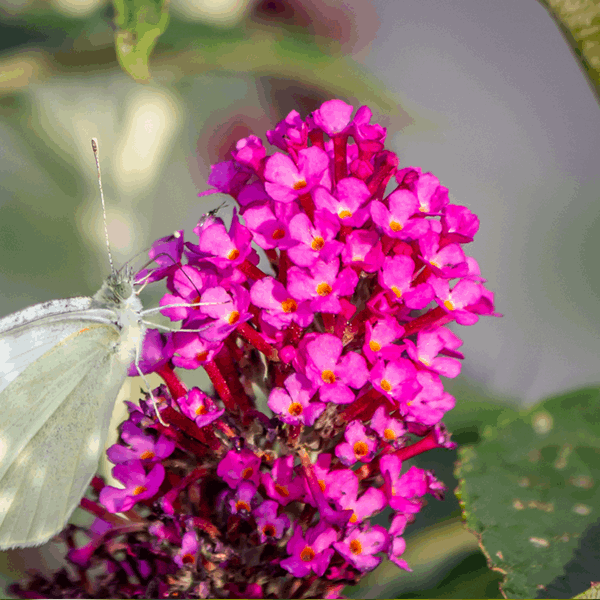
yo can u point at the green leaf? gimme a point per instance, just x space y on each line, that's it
139 25
579 22
529 492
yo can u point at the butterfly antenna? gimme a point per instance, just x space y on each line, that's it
96 156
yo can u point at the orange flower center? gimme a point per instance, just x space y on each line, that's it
281 489
289 305
386 386
361 448
234 317
201 410
233 254
147 454
324 289
389 434
395 226
241 505
344 213
269 530
449 304
188 559
247 473
307 554
295 409
328 376
140 489
355 547
299 185
317 243
374 346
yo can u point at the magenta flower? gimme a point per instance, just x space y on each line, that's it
363 251
333 373
314 241
371 502
396 379
389 429
280 483
429 344
244 499
361 543
323 285
280 308
347 203
461 301
333 483
397 275
292 404
310 552
430 404
187 556
380 338
196 405
141 446
286 180
270 226
139 485
403 491
395 221
358 446
270 526
239 466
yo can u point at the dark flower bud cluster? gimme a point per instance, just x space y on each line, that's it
341 336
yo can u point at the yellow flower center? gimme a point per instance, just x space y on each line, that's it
374 346
395 226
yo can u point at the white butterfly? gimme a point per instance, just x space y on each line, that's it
62 364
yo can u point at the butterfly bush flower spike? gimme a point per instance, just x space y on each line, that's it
320 316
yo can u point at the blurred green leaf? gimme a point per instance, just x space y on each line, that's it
529 492
140 23
579 22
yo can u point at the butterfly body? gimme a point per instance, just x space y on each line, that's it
62 364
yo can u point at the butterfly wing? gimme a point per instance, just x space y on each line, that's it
55 416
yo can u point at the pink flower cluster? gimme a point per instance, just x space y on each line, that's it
340 332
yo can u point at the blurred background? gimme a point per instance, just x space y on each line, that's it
486 95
